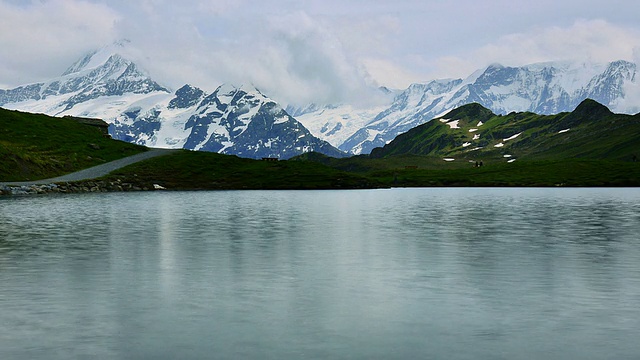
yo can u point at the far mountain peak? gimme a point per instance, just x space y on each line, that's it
117 51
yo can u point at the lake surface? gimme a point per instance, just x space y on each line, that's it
379 274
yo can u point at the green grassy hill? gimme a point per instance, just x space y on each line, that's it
473 133
590 146
35 146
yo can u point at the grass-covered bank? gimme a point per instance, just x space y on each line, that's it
200 170
573 172
192 170
417 171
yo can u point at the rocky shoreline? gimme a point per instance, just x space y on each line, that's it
76 187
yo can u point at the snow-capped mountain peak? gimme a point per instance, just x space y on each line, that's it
106 84
230 120
97 58
80 64
99 74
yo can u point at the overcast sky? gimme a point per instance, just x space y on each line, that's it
313 50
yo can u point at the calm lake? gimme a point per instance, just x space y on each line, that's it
375 274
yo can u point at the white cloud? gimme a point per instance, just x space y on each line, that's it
292 57
597 40
311 61
586 40
311 51
41 38
366 35
384 72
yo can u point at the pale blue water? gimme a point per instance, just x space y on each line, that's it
381 274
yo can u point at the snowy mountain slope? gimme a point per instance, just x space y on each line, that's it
104 84
99 85
240 121
100 74
543 88
335 124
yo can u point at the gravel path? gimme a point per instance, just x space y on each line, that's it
97 171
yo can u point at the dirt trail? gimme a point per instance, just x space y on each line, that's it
97 171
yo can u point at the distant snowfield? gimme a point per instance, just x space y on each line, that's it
336 124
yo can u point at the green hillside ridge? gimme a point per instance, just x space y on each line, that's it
36 146
473 133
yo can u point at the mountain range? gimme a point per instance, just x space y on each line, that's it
241 120
230 120
545 88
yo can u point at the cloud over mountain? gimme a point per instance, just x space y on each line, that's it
312 51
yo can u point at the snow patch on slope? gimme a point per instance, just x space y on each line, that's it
512 137
454 124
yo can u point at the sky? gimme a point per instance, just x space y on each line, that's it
322 51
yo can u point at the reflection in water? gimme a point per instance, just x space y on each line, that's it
407 273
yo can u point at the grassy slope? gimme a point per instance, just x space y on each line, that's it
34 146
38 146
205 170
580 172
416 170
593 132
